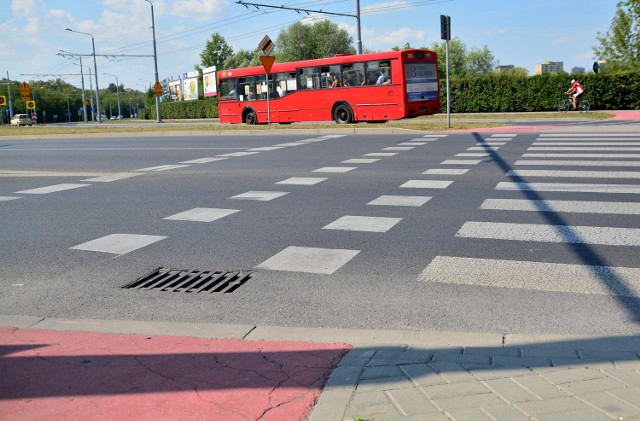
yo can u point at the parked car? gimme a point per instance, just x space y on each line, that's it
103 117
21 120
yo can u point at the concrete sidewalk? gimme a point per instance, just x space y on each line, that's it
99 369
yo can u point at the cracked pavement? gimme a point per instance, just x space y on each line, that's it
63 375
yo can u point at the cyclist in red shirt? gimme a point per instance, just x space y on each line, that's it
577 90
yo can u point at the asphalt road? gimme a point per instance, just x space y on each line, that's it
391 243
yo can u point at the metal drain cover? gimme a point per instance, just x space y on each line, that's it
194 281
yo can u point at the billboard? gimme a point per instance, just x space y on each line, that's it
175 90
190 86
209 81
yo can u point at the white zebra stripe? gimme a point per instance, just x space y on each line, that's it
580 155
580 163
537 276
567 206
583 148
571 187
573 174
551 233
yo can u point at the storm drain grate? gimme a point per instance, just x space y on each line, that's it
194 281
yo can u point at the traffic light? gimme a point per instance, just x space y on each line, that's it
445 27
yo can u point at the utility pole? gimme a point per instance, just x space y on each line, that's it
308 11
9 93
445 34
155 60
95 68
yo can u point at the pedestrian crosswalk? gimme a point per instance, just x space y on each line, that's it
530 204
603 176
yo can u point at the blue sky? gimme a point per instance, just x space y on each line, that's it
518 32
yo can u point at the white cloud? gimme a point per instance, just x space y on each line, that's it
60 15
198 9
492 32
383 7
400 36
561 41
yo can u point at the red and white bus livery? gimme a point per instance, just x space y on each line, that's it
344 88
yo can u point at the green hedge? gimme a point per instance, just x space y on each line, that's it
201 108
475 94
511 93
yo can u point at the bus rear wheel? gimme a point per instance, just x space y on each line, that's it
342 114
250 117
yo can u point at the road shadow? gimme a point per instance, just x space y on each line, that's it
588 256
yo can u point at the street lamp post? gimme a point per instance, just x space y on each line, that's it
84 101
155 59
130 112
117 92
95 69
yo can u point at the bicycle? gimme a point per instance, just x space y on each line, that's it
567 104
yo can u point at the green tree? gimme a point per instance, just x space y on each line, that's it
620 46
243 58
464 61
216 52
318 40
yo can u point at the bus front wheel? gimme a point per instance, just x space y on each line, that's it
250 117
342 114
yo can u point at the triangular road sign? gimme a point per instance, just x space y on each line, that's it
267 62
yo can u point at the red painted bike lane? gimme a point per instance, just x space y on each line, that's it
70 375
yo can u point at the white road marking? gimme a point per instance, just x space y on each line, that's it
266 148
398 148
309 260
435 135
305 181
113 177
504 135
381 154
119 243
461 162
202 214
290 144
580 163
412 143
568 206
573 174
412 201
447 171
262 196
483 148
551 233
427 184
586 143
580 155
360 161
589 135
571 187
335 169
583 148
536 276
491 143
203 160
162 168
52 189
470 154
8 198
362 223
239 154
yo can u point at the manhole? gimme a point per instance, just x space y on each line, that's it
193 281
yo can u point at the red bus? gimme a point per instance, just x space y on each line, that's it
345 88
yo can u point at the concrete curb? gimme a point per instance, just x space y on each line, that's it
356 337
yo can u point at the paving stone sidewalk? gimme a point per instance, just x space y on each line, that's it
428 375
527 378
